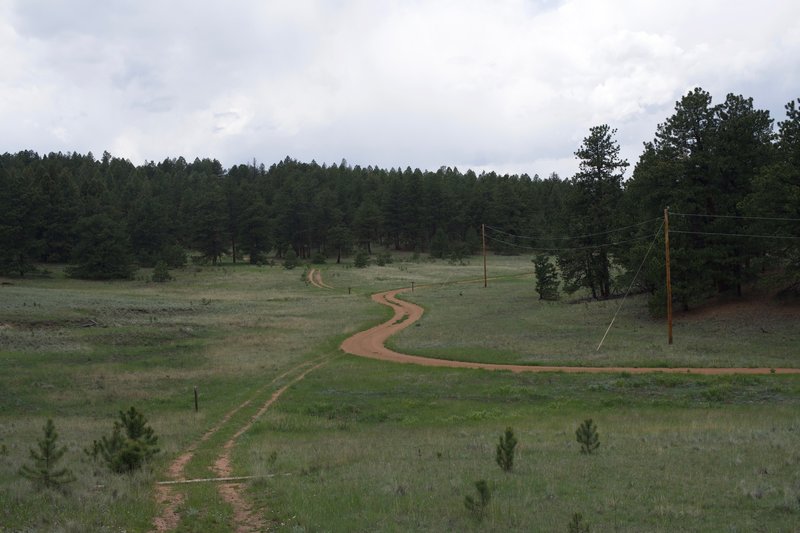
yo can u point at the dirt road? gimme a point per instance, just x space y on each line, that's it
315 278
171 497
371 343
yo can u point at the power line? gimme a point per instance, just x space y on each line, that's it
734 216
786 237
546 236
575 248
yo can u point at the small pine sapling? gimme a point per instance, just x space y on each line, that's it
588 437
505 450
477 506
131 444
43 473
577 525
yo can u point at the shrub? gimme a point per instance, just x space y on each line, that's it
43 473
588 437
161 272
361 259
505 450
319 258
477 506
383 259
290 259
128 452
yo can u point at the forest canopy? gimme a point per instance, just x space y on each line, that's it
730 178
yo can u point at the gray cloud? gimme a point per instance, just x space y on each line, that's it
510 85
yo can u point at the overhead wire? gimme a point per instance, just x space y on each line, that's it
789 237
571 237
565 249
743 217
646 255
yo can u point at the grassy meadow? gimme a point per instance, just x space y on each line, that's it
364 445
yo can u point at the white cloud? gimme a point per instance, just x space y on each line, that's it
510 85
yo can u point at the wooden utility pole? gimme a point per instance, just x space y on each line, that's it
669 278
483 240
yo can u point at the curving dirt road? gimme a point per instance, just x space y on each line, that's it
315 278
371 343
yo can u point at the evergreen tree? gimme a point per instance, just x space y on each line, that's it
131 444
505 450
43 473
546 278
776 194
361 259
290 260
367 223
477 506
102 251
340 240
587 436
593 206
19 224
209 219
255 231
702 162
439 244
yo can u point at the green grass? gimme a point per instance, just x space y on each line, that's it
399 447
375 446
507 323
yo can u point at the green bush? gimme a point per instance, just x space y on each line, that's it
290 259
161 273
383 259
129 451
361 259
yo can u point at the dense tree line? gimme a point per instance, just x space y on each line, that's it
61 207
711 164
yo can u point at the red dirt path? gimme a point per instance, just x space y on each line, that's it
371 343
171 498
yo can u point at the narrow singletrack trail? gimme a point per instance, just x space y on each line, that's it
371 344
171 497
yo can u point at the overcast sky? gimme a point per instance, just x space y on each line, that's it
505 85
